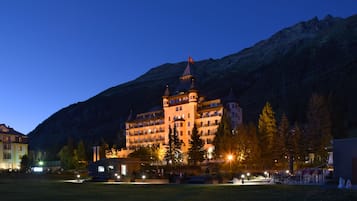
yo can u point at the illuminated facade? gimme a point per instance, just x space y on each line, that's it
13 145
181 109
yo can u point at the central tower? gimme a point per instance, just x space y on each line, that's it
180 108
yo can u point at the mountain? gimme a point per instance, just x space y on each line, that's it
315 56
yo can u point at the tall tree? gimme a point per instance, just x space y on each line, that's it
223 142
195 152
247 149
169 156
267 130
81 151
66 156
318 127
298 144
25 163
177 146
81 156
281 149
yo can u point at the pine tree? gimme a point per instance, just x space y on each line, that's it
67 155
177 146
282 147
247 149
318 127
81 152
267 130
79 157
169 156
223 142
195 151
298 143
254 158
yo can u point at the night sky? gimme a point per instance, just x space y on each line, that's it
56 52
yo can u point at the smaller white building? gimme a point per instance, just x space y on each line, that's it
13 145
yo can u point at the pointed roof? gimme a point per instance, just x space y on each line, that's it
231 97
193 86
8 130
185 81
187 70
130 116
167 91
187 73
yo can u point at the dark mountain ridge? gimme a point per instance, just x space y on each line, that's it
316 56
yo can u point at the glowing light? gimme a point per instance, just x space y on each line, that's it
230 157
266 173
242 176
100 168
123 170
38 169
40 163
248 174
78 176
143 177
287 171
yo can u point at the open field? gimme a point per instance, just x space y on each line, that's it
39 189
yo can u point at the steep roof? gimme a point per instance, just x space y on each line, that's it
231 97
185 80
8 130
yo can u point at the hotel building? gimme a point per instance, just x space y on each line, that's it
13 145
181 109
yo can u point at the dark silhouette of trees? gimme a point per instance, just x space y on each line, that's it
223 142
319 131
173 152
25 163
195 152
247 150
267 132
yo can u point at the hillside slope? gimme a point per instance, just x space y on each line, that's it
316 56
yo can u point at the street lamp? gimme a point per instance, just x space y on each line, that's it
230 158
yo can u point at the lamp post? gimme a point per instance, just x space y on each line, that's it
230 158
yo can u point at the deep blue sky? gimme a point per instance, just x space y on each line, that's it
55 52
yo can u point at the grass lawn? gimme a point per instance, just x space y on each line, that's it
39 189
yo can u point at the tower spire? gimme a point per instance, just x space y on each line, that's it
187 73
167 91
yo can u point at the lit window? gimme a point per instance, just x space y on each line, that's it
123 170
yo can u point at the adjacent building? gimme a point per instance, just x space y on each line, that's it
181 108
345 159
13 145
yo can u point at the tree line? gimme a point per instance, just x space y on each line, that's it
278 144
271 143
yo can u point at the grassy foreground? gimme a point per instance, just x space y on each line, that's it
43 189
